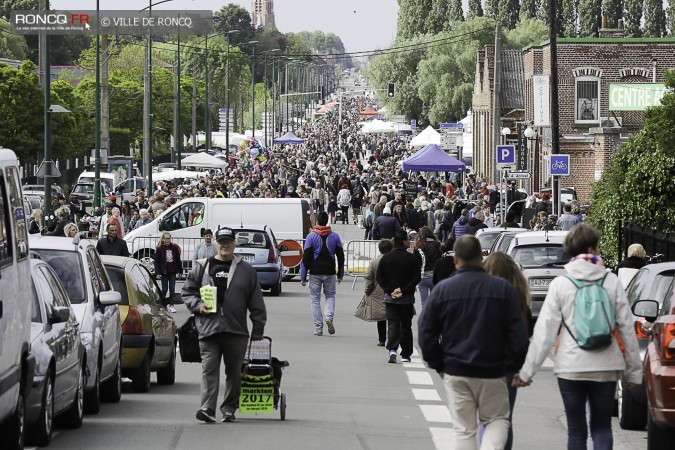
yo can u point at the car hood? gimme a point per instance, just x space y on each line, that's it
36 330
584 270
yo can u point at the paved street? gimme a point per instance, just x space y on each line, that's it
342 394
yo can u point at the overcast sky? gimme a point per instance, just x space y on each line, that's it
361 24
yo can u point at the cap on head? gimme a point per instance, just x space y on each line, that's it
425 206
224 234
386 210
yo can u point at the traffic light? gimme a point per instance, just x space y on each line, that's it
390 91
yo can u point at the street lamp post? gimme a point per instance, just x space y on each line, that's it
227 99
252 44
266 121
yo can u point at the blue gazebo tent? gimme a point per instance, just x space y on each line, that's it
289 138
432 159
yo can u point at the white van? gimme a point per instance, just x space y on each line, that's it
290 218
111 179
16 362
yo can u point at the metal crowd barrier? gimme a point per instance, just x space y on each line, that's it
358 255
143 249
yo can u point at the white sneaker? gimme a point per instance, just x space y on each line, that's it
171 309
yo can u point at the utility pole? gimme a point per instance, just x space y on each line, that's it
496 109
555 123
147 166
105 96
194 108
178 136
47 128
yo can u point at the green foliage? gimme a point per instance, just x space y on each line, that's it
475 9
12 46
527 32
234 17
413 19
632 18
455 13
509 11
614 10
21 110
589 17
440 13
6 6
568 19
637 186
528 9
492 9
655 18
670 18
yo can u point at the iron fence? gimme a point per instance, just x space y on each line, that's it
660 246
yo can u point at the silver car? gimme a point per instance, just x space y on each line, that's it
541 255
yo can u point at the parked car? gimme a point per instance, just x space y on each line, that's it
130 186
504 239
148 331
541 255
659 371
85 193
94 300
57 392
488 236
16 361
258 246
39 189
652 282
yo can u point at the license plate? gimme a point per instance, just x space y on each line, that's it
248 258
540 282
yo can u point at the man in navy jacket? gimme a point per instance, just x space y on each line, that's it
470 323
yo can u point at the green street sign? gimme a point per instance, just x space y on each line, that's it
635 96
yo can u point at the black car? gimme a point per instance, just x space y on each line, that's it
85 193
58 382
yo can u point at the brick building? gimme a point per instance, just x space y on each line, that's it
589 132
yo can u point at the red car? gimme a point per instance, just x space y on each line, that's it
659 372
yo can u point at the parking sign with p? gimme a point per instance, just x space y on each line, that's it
506 155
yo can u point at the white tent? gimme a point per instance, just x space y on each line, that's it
426 137
203 160
177 174
378 126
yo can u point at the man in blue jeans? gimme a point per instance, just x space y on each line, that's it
321 247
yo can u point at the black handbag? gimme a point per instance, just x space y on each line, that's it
188 341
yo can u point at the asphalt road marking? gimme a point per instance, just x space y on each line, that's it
416 377
442 438
426 395
436 413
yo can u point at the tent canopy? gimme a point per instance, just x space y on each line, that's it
426 137
378 126
177 174
369 111
432 159
203 160
289 138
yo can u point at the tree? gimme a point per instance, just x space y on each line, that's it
6 6
475 9
21 110
234 17
492 9
569 19
440 13
12 46
527 32
589 17
72 133
637 186
455 13
542 11
528 9
614 10
413 18
655 18
632 18
508 13
670 16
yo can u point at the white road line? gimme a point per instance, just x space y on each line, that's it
416 377
442 438
414 365
426 395
436 413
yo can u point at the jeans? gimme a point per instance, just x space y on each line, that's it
425 287
316 282
168 283
600 397
399 322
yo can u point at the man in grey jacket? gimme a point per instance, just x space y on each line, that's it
223 334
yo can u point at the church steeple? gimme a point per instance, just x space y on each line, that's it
262 14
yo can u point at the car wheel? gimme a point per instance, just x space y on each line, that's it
92 398
147 258
40 433
276 289
72 418
167 375
12 429
632 414
659 438
141 377
111 391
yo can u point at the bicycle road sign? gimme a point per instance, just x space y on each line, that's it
560 165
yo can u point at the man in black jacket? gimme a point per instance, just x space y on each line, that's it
111 244
479 317
399 273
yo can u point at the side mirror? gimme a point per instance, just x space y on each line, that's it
161 226
109 298
649 309
176 299
59 314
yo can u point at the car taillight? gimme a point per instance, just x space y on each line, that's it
271 255
641 329
668 341
132 324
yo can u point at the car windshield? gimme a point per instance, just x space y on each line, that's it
67 266
540 255
487 240
505 242
251 238
83 189
647 286
119 282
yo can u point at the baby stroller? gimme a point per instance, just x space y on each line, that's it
261 380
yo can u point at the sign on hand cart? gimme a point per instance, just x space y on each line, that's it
560 165
257 395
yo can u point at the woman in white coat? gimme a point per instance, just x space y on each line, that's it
584 376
